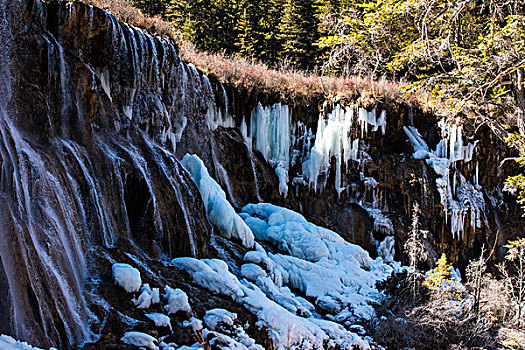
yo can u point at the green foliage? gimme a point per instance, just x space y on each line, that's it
467 55
516 184
299 32
516 250
271 31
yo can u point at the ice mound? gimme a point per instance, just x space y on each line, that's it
339 276
140 339
127 277
8 343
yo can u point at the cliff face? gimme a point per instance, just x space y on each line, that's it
95 116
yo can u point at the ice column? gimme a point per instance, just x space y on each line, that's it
270 134
334 139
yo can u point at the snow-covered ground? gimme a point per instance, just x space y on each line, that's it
9 343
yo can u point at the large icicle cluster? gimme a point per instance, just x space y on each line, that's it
269 133
334 138
458 195
219 210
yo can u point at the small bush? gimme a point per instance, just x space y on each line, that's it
429 322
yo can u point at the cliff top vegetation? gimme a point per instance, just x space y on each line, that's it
285 78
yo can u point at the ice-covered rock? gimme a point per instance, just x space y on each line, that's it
386 249
159 319
219 316
219 210
147 297
177 301
127 277
140 339
241 341
278 320
9 343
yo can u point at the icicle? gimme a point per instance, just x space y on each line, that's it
460 196
270 134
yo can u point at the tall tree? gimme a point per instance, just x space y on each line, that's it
299 32
272 11
250 38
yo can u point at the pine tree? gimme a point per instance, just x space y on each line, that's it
178 12
249 39
272 11
226 17
299 32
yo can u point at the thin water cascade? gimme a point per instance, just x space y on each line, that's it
100 167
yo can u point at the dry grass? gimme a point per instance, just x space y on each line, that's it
290 83
124 11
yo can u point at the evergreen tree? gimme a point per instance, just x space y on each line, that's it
299 32
152 7
272 11
249 40
226 17
441 282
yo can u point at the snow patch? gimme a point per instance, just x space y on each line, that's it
177 301
147 297
159 319
219 316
